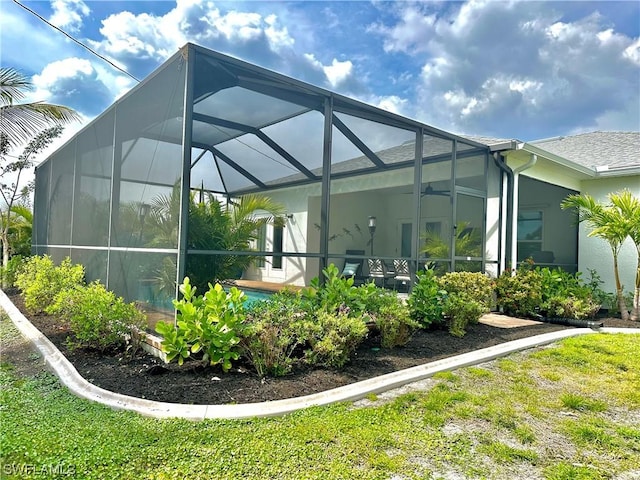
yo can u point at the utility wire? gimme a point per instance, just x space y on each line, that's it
76 41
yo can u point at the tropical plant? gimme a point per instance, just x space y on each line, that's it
468 243
477 286
333 338
394 321
213 226
209 325
461 309
426 299
272 336
519 293
629 207
98 318
19 121
40 280
35 123
613 223
10 185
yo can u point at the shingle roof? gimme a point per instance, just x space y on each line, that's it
596 149
487 140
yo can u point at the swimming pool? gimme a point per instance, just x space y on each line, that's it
255 295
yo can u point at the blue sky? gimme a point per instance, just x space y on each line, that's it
525 70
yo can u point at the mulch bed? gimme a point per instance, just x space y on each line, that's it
144 376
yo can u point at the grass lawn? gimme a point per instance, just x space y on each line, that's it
566 411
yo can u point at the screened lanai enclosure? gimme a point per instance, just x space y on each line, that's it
353 182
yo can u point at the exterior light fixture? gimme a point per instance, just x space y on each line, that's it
372 231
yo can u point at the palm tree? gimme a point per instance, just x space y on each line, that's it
212 226
21 121
468 243
609 223
629 207
20 229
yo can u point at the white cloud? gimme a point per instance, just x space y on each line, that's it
632 52
412 32
68 14
338 71
392 103
134 39
76 83
490 66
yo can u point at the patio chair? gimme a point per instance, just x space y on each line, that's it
377 270
402 273
353 267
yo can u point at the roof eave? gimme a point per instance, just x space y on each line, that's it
607 171
527 147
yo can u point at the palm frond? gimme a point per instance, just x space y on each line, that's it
20 121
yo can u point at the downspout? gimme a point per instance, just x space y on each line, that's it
514 219
505 236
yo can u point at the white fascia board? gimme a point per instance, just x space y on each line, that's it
527 147
606 171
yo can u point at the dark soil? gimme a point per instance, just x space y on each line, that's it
144 376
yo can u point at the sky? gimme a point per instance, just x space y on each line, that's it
505 69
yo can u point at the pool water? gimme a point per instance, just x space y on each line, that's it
256 295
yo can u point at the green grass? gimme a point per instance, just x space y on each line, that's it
474 423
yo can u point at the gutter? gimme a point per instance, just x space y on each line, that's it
607 171
516 191
505 240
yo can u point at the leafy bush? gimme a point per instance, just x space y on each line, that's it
332 337
336 294
553 293
8 273
519 295
98 318
271 335
571 307
210 324
394 321
40 281
461 310
426 299
475 285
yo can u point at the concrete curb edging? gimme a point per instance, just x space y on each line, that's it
70 377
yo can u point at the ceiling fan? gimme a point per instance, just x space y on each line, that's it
429 190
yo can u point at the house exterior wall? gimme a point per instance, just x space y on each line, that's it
595 253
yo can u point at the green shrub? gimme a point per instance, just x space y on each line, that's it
475 285
209 325
332 337
426 299
40 281
519 295
571 307
461 309
337 294
8 273
98 318
393 319
271 335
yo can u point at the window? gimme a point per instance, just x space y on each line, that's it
529 233
278 235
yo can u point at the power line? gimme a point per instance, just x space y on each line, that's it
76 41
